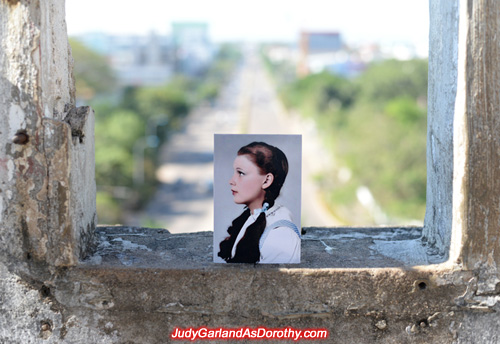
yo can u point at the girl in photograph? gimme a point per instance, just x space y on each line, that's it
264 232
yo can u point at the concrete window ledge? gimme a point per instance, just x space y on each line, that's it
322 248
358 283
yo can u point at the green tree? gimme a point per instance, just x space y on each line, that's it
121 124
115 137
375 126
167 102
93 74
389 79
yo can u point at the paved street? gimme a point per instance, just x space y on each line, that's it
248 104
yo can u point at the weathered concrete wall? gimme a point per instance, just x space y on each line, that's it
476 224
463 149
47 188
142 283
29 314
475 208
443 78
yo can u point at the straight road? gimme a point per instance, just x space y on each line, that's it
266 115
248 104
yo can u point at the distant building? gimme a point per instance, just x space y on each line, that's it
193 50
321 42
282 52
318 50
154 59
142 61
137 60
325 51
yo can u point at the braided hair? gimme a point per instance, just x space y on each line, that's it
268 159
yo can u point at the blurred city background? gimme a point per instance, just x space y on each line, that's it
163 77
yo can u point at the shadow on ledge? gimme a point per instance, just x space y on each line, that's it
336 247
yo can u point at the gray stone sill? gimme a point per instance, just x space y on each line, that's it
322 248
366 281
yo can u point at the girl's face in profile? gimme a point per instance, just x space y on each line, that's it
247 183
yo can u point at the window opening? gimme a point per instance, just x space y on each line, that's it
153 75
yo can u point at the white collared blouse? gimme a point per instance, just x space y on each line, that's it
280 241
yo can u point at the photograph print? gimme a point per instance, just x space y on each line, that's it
257 195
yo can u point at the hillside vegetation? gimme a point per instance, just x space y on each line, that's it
133 122
375 128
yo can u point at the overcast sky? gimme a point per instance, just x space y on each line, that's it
384 21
